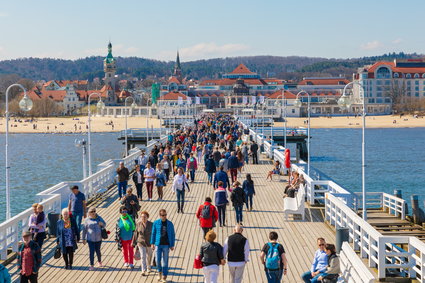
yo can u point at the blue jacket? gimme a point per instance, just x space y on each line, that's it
220 196
160 179
233 162
248 187
156 233
4 275
221 176
210 166
60 237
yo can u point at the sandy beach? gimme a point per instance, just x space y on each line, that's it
103 124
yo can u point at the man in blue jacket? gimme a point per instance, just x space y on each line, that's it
233 165
162 241
221 176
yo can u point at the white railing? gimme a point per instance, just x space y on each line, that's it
352 268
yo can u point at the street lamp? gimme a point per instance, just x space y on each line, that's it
298 103
345 102
283 104
25 105
100 105
82 143
132 107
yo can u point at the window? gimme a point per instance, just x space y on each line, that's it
408 76
423 75
378 82
383 73
387 82
417 94
293 111
416 88
396 75
416 82
416 76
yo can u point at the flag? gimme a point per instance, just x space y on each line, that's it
180 100
261 99
189 100
244 100
253 100
198 100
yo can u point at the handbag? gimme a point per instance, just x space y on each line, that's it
58 253
137 255
104 233
197 262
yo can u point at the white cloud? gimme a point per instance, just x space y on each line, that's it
372 45
397 41
204 51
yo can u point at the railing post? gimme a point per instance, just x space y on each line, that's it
414 199
381 258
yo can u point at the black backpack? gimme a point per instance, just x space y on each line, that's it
206 212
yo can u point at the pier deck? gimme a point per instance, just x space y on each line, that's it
298 237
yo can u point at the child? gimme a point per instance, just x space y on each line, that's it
40 218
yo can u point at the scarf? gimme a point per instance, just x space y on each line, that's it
125 221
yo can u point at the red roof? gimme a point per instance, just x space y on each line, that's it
174 79
227 82
392 66
241 69
324 81
278 94
124 94
173 96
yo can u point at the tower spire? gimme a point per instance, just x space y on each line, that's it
178 61
178 69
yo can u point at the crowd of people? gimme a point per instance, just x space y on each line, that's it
215 143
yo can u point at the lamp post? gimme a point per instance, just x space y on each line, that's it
345 102
132 107
298 103
26 105
100 105
82 143
147 119
283 104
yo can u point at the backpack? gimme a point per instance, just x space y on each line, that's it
206 212
273 258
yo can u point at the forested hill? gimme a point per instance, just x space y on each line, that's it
292 67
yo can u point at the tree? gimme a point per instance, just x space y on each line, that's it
397 92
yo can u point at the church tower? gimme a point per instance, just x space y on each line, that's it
109 67
178 69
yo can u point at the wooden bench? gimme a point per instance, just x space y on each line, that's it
295 205
352 268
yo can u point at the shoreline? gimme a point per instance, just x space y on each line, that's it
78 125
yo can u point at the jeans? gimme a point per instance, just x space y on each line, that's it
248 201
210 177
122 188
167 174
254 158
33 278
246 157
78 216
180 200
39 238
221 214
274 276
149 188
236 273
238 210
145 257
139 188
192 175
211 273
127 251
161 254
94 247
306 276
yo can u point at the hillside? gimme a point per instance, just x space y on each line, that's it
292 67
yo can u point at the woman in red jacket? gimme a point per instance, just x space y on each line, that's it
207 215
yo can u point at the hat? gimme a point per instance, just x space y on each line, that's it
26 234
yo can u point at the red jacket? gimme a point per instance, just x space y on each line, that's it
207 223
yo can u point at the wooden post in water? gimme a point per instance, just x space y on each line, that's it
414 200
397 193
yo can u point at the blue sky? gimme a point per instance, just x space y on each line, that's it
209 29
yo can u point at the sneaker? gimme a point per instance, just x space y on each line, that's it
100 264
91 268
125 264
144 273
149 270
131 266
159 276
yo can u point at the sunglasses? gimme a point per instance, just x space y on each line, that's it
321 245
92 211
162 215
124 211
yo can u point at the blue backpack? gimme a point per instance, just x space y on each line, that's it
273 258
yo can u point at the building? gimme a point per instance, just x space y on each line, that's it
385 83
175 83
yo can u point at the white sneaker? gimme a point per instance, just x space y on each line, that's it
125 264
131 266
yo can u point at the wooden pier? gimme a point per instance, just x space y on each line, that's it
298 237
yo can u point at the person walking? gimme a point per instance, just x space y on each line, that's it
142 161
161 181
274 259
92 234
238 198
233 164
223 177
131 203
142 240
138 180
319 265
162 241
217 156
179 188
220 196
124 235
67 237
29 259
123 176
149 175
248 187
211 255
210 168
207 215
245 153
37 224
78 208
236 248
153 158
5 275
254 152
192 166
166 167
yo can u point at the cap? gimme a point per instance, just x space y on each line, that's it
26 234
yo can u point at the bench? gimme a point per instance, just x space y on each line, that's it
295 205
352 267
